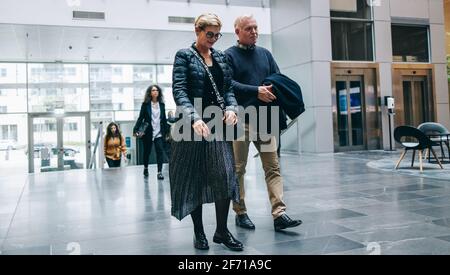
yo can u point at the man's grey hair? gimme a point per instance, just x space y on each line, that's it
238 21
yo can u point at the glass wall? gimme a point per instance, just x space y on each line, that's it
13 143
109 92
117 90
58 86
13 117
13 88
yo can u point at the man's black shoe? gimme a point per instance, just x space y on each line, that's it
228 240
145 172
200 241
284 221
244 221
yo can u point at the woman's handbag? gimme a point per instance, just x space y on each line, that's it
142 128
168 137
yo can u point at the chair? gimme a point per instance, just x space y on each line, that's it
403 135
430 128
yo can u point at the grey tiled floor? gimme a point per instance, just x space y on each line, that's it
350 203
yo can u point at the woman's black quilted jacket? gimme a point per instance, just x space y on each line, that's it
188 81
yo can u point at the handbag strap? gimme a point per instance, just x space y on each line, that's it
220 99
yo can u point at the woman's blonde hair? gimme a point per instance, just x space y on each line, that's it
207 19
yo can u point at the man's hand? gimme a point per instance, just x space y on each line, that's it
265 94
201 128
230 118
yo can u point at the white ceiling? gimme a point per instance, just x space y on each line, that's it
246 3
51 43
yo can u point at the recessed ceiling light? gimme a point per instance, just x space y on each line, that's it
96 37
90 48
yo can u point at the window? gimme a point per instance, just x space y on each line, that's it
352 41
13 87
118 106
101 106
351 30
71 71
121 87
45 127
118 71
34 72
3 109
8 132
165 74
54 85
410 43
71 126
143 73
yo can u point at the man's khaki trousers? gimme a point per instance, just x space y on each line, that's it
267 148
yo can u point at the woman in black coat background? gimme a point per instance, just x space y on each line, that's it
153 112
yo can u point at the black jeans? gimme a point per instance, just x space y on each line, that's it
113 163
159 147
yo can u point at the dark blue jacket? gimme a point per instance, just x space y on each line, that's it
288 93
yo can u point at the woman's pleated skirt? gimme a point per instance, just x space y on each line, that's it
201 172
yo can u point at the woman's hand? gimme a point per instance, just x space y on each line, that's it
230 118
201 128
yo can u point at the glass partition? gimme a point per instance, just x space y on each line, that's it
13 88
108 92
58 86
13 143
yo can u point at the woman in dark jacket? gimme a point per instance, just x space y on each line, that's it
203 171
153 112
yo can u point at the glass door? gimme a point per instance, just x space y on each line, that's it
45 141
58 142
350 115
75 143
415 100
414 95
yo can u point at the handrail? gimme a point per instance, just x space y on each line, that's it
97 139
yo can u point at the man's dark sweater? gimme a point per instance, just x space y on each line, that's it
250 68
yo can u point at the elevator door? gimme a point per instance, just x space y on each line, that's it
350 115
415 100
414 96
